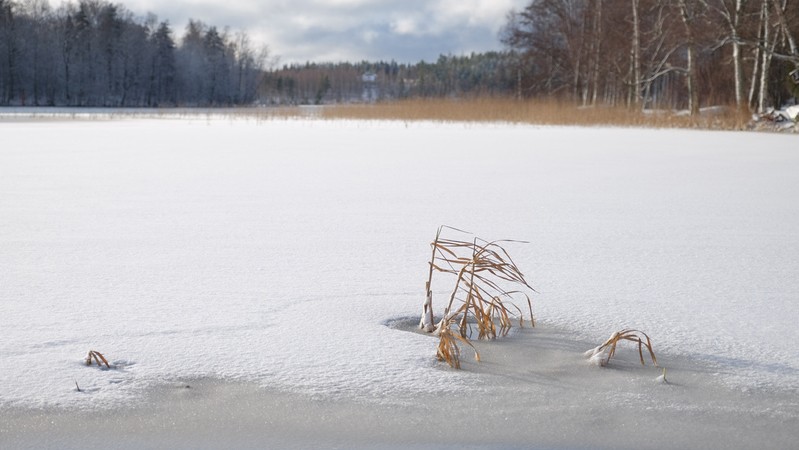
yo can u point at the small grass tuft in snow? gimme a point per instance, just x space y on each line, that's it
98 358
601 355
662 378
481 298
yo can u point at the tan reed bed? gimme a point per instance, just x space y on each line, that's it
471 110
542 112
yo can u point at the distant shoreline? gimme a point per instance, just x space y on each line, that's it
468 110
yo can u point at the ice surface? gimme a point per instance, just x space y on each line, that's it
275 251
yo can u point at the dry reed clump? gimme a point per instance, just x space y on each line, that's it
481 299
448 350
98 358
539 112
601 355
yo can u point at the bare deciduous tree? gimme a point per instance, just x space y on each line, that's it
635 51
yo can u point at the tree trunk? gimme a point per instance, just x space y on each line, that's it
765 63
597 50
691 79
693 88
739 75
635 56
756 65
736 56
780 10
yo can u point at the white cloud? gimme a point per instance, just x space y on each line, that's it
300 30
369 36
405 25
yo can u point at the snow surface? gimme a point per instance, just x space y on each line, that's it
276 251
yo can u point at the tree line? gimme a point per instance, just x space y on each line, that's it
490 73
639 53
97 53
659 53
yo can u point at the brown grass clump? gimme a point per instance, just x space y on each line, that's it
98 358
539 112
481 299
448 349
601 355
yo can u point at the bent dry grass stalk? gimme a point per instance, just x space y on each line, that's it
601 355
98 358
448 350
480 298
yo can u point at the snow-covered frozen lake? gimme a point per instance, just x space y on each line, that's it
275 251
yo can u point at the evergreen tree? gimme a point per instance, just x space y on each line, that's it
216 68
8 51
164 65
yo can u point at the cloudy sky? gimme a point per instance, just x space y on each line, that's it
352 30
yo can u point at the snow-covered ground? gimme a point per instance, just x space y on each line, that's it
274 252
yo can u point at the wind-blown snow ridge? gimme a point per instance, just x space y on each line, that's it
275 252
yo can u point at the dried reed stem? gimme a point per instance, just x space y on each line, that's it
601 355
98 358
448 349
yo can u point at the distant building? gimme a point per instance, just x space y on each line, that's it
370 93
